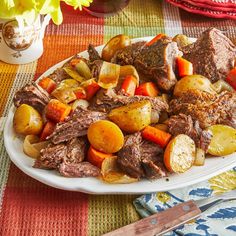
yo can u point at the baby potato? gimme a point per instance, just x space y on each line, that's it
193 82
179 154
27 120
223 140
105 136
181 40
133 117
114 44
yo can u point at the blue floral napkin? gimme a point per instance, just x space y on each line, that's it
216 221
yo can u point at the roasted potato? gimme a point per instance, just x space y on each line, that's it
113 45
105 136
193 82
200 157
133 117
179 154
223 140
27 120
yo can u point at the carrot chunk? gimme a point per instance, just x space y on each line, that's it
91 90
147 89
155 39
96 157
80 93
129 85
156 135
231 78
47 84
47 130
57 111
184 67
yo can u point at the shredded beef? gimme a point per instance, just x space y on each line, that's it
129 157
127 55
82 169
212 54
95 67
152 160
58 75
183 124
106 100
53 155
158 62
140 158
93 54
33 95
76 125
206 108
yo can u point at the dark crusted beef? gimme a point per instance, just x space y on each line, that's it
129 157
127 55
158 62
212 54
140 158
93 54
183 124
106 100
152 160
206 108
33 95
53 155
76 125
58 75
95 67
82 169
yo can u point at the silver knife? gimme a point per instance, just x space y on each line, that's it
171 218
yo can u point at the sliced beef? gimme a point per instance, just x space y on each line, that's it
212 54
106 100
158 62
76 125
129 157
51 156
33 95
58 75
206 108
95 67
82 169
183 124
140 158
152 160
72 152
127 55
93 54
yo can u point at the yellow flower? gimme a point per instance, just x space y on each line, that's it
163 197
223 182
28 10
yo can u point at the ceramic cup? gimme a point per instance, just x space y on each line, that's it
22 45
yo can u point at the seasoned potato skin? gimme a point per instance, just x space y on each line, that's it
114 44
27 120
133 117
105 136
193 82
223 140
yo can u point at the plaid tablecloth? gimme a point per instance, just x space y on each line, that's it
28 207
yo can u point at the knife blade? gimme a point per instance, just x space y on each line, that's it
162 222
